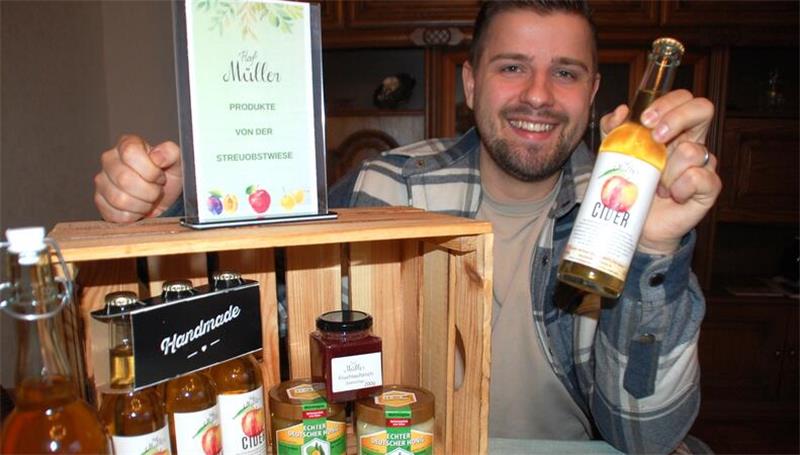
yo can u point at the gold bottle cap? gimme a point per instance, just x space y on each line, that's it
668 46
177 289
121 299
225 280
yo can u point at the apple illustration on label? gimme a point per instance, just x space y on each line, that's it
258 198
618 194
212 441
253 422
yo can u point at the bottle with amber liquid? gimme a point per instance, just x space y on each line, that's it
240 394
621 189
49 416
134 419
191 400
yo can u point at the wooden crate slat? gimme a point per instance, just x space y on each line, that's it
81 241
436 336
384 283
313 286
470 297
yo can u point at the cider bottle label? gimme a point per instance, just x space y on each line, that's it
242 417
612 214
198 432
156 442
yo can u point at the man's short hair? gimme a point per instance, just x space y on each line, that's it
491 8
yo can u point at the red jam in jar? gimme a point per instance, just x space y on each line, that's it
346 356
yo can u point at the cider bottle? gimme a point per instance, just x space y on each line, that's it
134 419
49 416
629 164
240 394
191 400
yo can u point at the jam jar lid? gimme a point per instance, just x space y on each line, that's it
344 321
372 409
287 398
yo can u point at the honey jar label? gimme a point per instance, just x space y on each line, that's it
303 439
381 442
396 398
305 392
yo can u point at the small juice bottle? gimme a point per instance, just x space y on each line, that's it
191 400
629 164
134 419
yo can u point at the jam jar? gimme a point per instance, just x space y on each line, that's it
346 356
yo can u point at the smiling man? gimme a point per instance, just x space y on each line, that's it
564 365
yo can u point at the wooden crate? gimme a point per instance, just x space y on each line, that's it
425 278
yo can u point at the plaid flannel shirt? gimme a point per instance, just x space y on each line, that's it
630 363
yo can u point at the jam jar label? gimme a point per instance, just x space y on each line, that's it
356 372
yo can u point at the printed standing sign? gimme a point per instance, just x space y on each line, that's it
249 76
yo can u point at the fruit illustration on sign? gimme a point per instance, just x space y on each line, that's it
212 441
292 198
253 422
258 198
618 194
315 450
230 203
287 202
299 196
214 202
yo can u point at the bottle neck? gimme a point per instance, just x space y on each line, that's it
658 77
41 355
121 363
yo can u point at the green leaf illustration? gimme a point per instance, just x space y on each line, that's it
248 15
244 409
609 172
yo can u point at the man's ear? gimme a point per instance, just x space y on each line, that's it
595 86
468 78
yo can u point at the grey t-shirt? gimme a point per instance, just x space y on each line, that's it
527 400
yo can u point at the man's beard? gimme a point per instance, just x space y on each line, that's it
533 163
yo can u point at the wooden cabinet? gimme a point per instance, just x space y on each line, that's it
758 368
759 158
741 12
